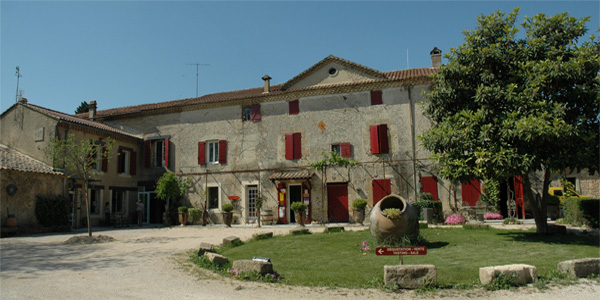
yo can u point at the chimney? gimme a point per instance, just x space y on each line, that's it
267 80
92 109
22 100
436 57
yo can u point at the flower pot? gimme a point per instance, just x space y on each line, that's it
300 217
359 215
393 230
183 216
228 218
11 221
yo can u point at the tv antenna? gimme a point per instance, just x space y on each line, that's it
18 74
197 65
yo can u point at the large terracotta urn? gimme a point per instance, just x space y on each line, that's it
393 230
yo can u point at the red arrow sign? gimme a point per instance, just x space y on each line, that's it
418 250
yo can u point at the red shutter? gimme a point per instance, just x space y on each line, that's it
201 153
147 154
294 107
383 139
381 188
133 163
297 145
104 160
471 192
374 139
429 184
121 166
255 112
346 150
166 152
222 152
289 146
376 98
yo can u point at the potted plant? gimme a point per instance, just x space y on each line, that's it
194 215
227 209
183 215
358 210
299 209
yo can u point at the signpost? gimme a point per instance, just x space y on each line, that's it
400 251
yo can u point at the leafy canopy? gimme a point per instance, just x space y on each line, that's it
169 186
508 105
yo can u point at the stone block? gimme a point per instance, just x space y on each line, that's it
523 273
231 240
204 247
410 276
580 267
248 266
216 259
335 229
299 231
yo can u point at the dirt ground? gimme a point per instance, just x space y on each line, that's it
141 264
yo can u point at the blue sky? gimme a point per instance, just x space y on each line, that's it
123 53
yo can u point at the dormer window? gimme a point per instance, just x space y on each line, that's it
333 71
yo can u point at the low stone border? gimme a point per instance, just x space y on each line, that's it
231 241
580 267
410 276
523 273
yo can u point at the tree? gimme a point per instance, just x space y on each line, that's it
77 158
169 187
82 108
506 106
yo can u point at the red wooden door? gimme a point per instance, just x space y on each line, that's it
381 188
471 192
429 184
337 198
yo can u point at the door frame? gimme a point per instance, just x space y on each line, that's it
146 200
289 210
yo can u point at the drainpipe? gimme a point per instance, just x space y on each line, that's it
413 142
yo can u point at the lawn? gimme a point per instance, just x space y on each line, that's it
336 259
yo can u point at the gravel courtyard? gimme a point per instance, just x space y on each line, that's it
140 264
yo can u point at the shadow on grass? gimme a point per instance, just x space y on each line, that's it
557 238
436 245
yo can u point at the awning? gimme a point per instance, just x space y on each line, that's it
302 174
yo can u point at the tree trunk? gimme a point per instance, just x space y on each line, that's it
87 206
536 203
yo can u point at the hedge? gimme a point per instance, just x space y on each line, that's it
582 211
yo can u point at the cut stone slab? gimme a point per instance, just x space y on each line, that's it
410 276
335 229
216 259
299 231
524 273
231 240
580 267
205 247
247 266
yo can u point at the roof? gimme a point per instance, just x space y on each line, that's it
11 159
77 120
276 90
302 174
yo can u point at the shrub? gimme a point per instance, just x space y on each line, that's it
52 211
582 211
227 207
298 206
493 216
392 213
359 203
195 215
436 205
553 200
425 196
182 209
455 219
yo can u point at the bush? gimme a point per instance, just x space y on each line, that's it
455 219
298 206
227 207
182 209
359 203
195 215
553 200
436 205
493 216
581 211
425 196
52 211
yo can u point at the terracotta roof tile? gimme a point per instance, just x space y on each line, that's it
11 159
302 174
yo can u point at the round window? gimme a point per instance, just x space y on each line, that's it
332 71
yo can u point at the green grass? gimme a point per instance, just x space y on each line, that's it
335 259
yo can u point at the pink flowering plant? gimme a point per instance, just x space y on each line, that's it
455 219
493 216
365 246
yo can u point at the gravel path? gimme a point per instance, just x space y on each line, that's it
140 264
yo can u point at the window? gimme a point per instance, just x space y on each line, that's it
118 201
251 195
251 113
96 158
293 146
95 200
343 149
156 153
379 139
213 197
213 152
376 97
294 107
127 161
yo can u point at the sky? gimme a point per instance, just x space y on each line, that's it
122 53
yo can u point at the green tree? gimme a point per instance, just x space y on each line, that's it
169 187
77 158
508 105
82 108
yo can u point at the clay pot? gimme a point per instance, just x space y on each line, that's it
359 215
300 217
183 217
11 221
228 218
393 230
